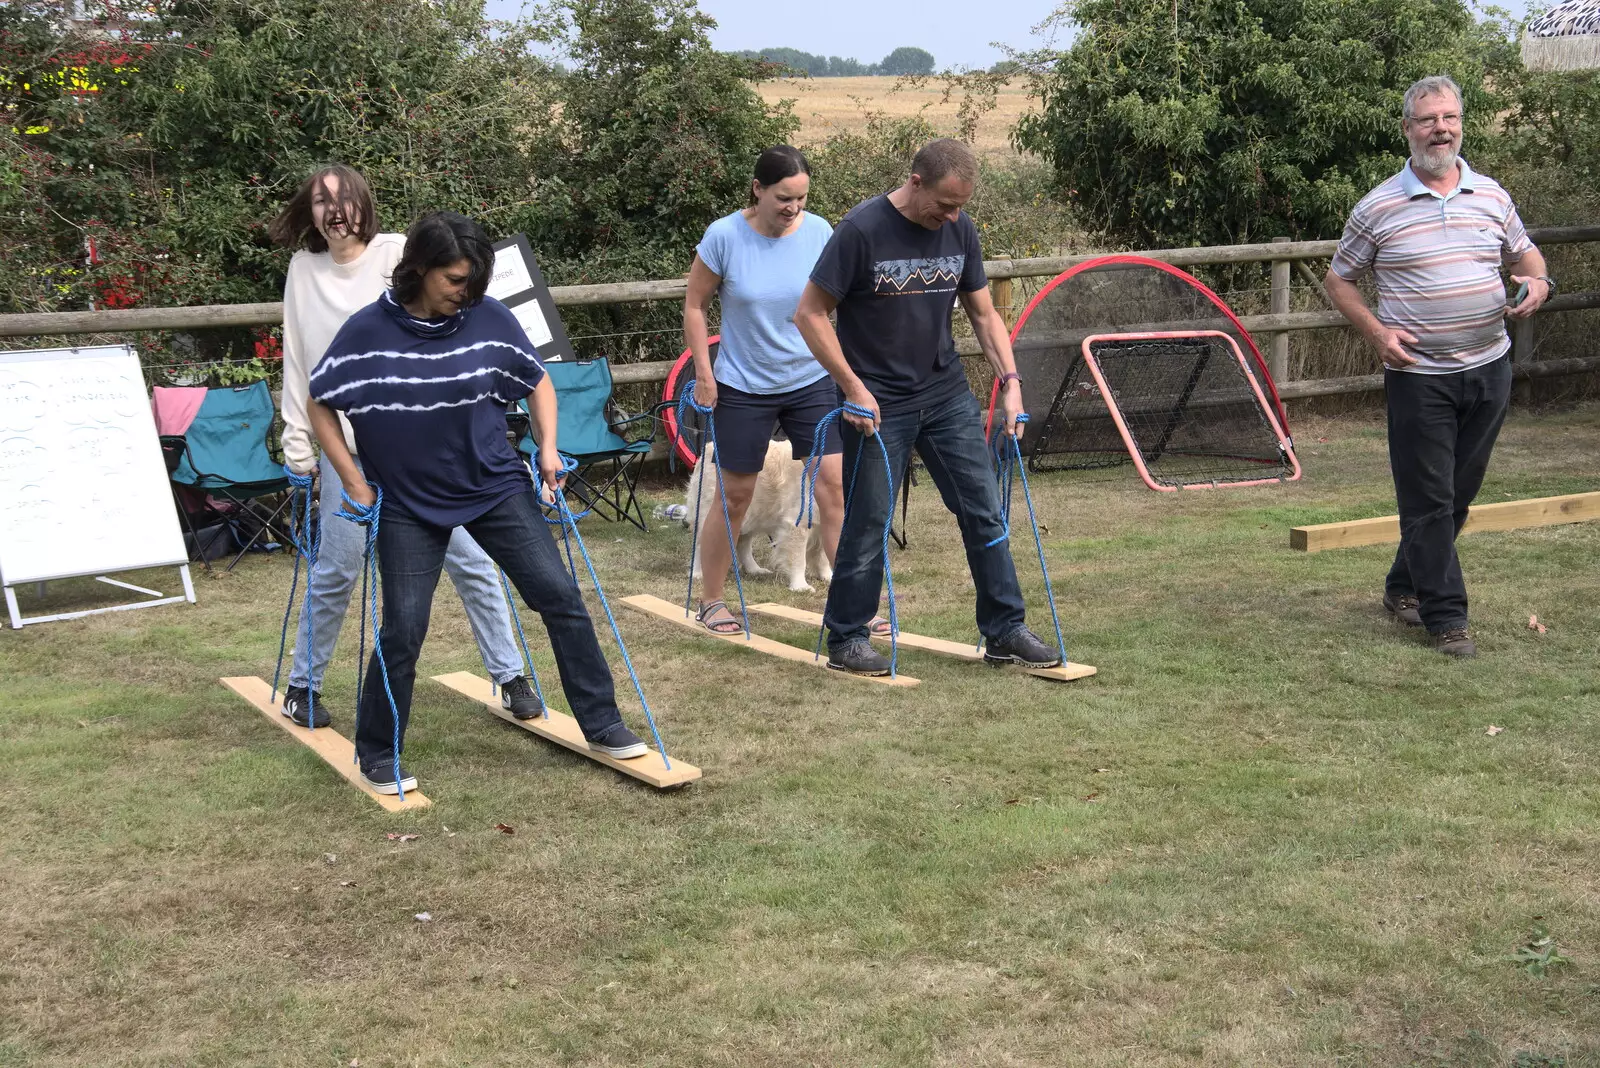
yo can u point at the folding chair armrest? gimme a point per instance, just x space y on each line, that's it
633 419
620 425
518 421
173 447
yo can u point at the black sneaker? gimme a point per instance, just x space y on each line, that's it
304 707
383 780
858 658
619 743
1455 642
517 697
1405 609
1021 647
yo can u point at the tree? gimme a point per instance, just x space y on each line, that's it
906 60
165 144
793 58
1219 121
650 135
191 128
840 67
815 66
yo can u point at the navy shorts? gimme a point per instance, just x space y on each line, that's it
745 422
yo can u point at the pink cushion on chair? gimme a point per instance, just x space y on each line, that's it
175 407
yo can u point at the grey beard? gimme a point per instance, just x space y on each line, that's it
1438 163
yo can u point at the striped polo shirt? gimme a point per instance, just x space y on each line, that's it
1436 261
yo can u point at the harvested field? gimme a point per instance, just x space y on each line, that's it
826 105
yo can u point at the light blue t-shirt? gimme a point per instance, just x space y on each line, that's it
762 280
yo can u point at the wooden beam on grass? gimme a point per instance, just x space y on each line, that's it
332 747
1505 515
960 650
562 729
672 613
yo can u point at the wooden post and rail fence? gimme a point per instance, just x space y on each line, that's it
1274 328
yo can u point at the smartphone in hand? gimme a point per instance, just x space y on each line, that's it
1522 295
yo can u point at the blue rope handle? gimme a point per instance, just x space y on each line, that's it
527 657
808 497
1011 463
570 521
685 402
368 515
308 546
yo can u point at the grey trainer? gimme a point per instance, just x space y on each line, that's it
858 658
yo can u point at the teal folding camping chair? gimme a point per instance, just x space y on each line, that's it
608 464
223 472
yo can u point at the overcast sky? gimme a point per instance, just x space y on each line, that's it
959 33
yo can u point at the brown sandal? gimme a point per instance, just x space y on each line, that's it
880 627
718 626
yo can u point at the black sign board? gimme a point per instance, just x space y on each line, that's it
519 285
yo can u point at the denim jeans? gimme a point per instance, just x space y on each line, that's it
949 438
515 536
1441 431
338 570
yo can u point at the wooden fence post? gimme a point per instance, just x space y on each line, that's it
1521 357
1000 290
1278 358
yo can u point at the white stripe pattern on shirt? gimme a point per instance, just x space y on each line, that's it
332 362
400 380
462 403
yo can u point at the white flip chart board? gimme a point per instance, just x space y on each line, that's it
83 487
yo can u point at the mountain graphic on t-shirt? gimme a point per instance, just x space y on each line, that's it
936 274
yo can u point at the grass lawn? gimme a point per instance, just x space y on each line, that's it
1273 830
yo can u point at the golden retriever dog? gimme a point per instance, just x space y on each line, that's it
769 519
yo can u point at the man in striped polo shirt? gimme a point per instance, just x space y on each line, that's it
1435 237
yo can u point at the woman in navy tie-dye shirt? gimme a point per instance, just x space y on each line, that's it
424 375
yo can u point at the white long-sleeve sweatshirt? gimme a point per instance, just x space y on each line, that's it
318 296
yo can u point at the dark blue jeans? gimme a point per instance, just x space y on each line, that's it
514 534
949 438
1442 429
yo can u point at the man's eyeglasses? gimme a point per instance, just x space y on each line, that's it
1428 122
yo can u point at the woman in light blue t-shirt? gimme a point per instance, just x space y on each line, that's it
757 261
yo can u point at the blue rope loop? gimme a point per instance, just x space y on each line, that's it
368 516
1012 466
306 544
1003 463
571 522
808 500
527 657
685 402
568 466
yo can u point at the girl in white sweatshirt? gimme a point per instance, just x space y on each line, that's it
342 265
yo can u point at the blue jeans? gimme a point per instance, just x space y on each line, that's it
514 534
1442 429
949 438
338 570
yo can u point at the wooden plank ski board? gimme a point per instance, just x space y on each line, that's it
331 746
673 613
1501 515
564 731
961 650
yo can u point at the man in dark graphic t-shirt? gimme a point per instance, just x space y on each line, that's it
894 269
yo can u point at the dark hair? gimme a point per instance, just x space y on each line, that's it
777 163
439 239
946 156
293 227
